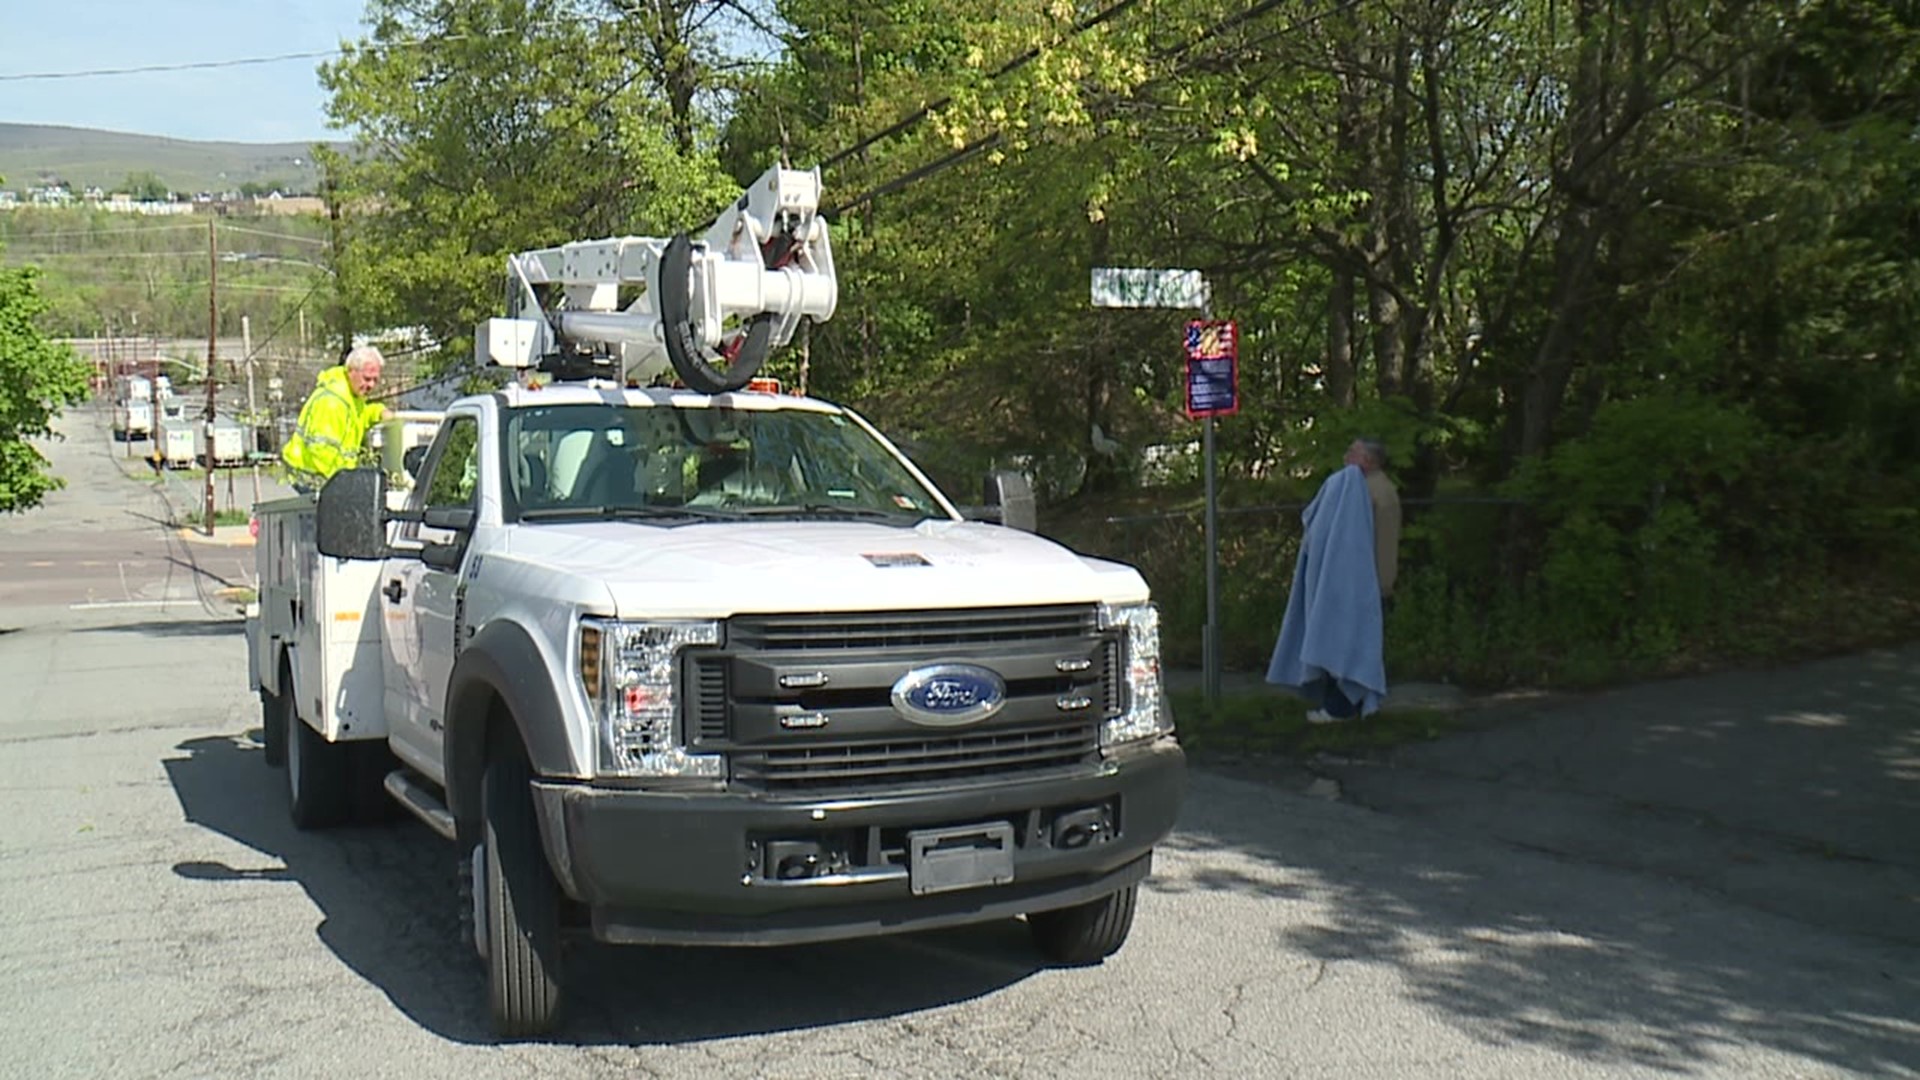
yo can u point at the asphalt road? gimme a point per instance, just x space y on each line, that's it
159 917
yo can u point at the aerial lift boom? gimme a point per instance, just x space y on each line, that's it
631 309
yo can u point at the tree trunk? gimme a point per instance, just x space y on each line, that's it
1338 370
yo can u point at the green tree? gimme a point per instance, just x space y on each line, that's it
504 125
37 379
146 186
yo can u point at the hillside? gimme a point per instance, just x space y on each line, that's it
33 153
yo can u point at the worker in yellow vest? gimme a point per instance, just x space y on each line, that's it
335 420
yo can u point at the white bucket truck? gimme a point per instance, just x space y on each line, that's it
669 666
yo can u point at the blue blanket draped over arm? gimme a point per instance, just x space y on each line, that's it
1333 626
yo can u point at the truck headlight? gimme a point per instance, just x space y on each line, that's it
631 670
1146 713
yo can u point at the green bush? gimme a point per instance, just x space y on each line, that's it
1676 533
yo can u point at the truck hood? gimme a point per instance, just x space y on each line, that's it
714 570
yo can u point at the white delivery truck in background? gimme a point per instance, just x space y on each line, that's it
709 667
132 419
223 443
173 441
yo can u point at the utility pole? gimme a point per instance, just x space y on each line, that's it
121 401
213 333
253 421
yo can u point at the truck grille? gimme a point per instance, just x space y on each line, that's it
910 629
909 761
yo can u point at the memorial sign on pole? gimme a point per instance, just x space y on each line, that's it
1213 368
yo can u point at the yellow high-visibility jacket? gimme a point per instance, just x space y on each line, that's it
332 431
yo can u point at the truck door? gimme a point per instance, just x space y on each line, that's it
421 593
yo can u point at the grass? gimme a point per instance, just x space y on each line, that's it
1276 724
197 519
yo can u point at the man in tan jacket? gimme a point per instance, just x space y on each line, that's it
1371 456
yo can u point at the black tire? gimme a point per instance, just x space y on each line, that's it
317 775
273 729
369 803
523 905
691 360
1086 933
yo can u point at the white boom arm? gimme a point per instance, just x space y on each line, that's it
709 309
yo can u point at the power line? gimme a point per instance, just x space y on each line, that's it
284 320
970 150
974 148
277 235
127 231
1009 67
195 65
12 254
117 231
245 61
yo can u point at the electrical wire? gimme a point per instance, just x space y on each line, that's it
193 65
284 321
246 61
1015 64
277 235
973 149
184 254
116 231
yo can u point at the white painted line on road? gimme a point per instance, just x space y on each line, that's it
120 603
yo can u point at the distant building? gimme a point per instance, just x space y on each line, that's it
276 205
282 205
8 200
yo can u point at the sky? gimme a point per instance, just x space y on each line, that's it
276 102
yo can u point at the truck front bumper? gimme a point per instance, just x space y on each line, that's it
712 868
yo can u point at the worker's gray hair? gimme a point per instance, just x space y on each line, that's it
1375 450
363 355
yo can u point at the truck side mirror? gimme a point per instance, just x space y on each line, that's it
351 519
1012 495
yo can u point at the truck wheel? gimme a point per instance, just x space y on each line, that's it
273 729
316 777
1085 933
522 905
368 798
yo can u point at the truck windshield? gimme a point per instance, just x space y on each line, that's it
599 460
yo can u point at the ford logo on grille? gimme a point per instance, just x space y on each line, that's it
948 695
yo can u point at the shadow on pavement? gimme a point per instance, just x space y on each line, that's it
1794 791
1515 948
171 628
388 897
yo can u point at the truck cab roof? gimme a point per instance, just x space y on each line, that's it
586 393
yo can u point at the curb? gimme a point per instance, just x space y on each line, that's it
194 536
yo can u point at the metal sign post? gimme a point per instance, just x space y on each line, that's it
1213 389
